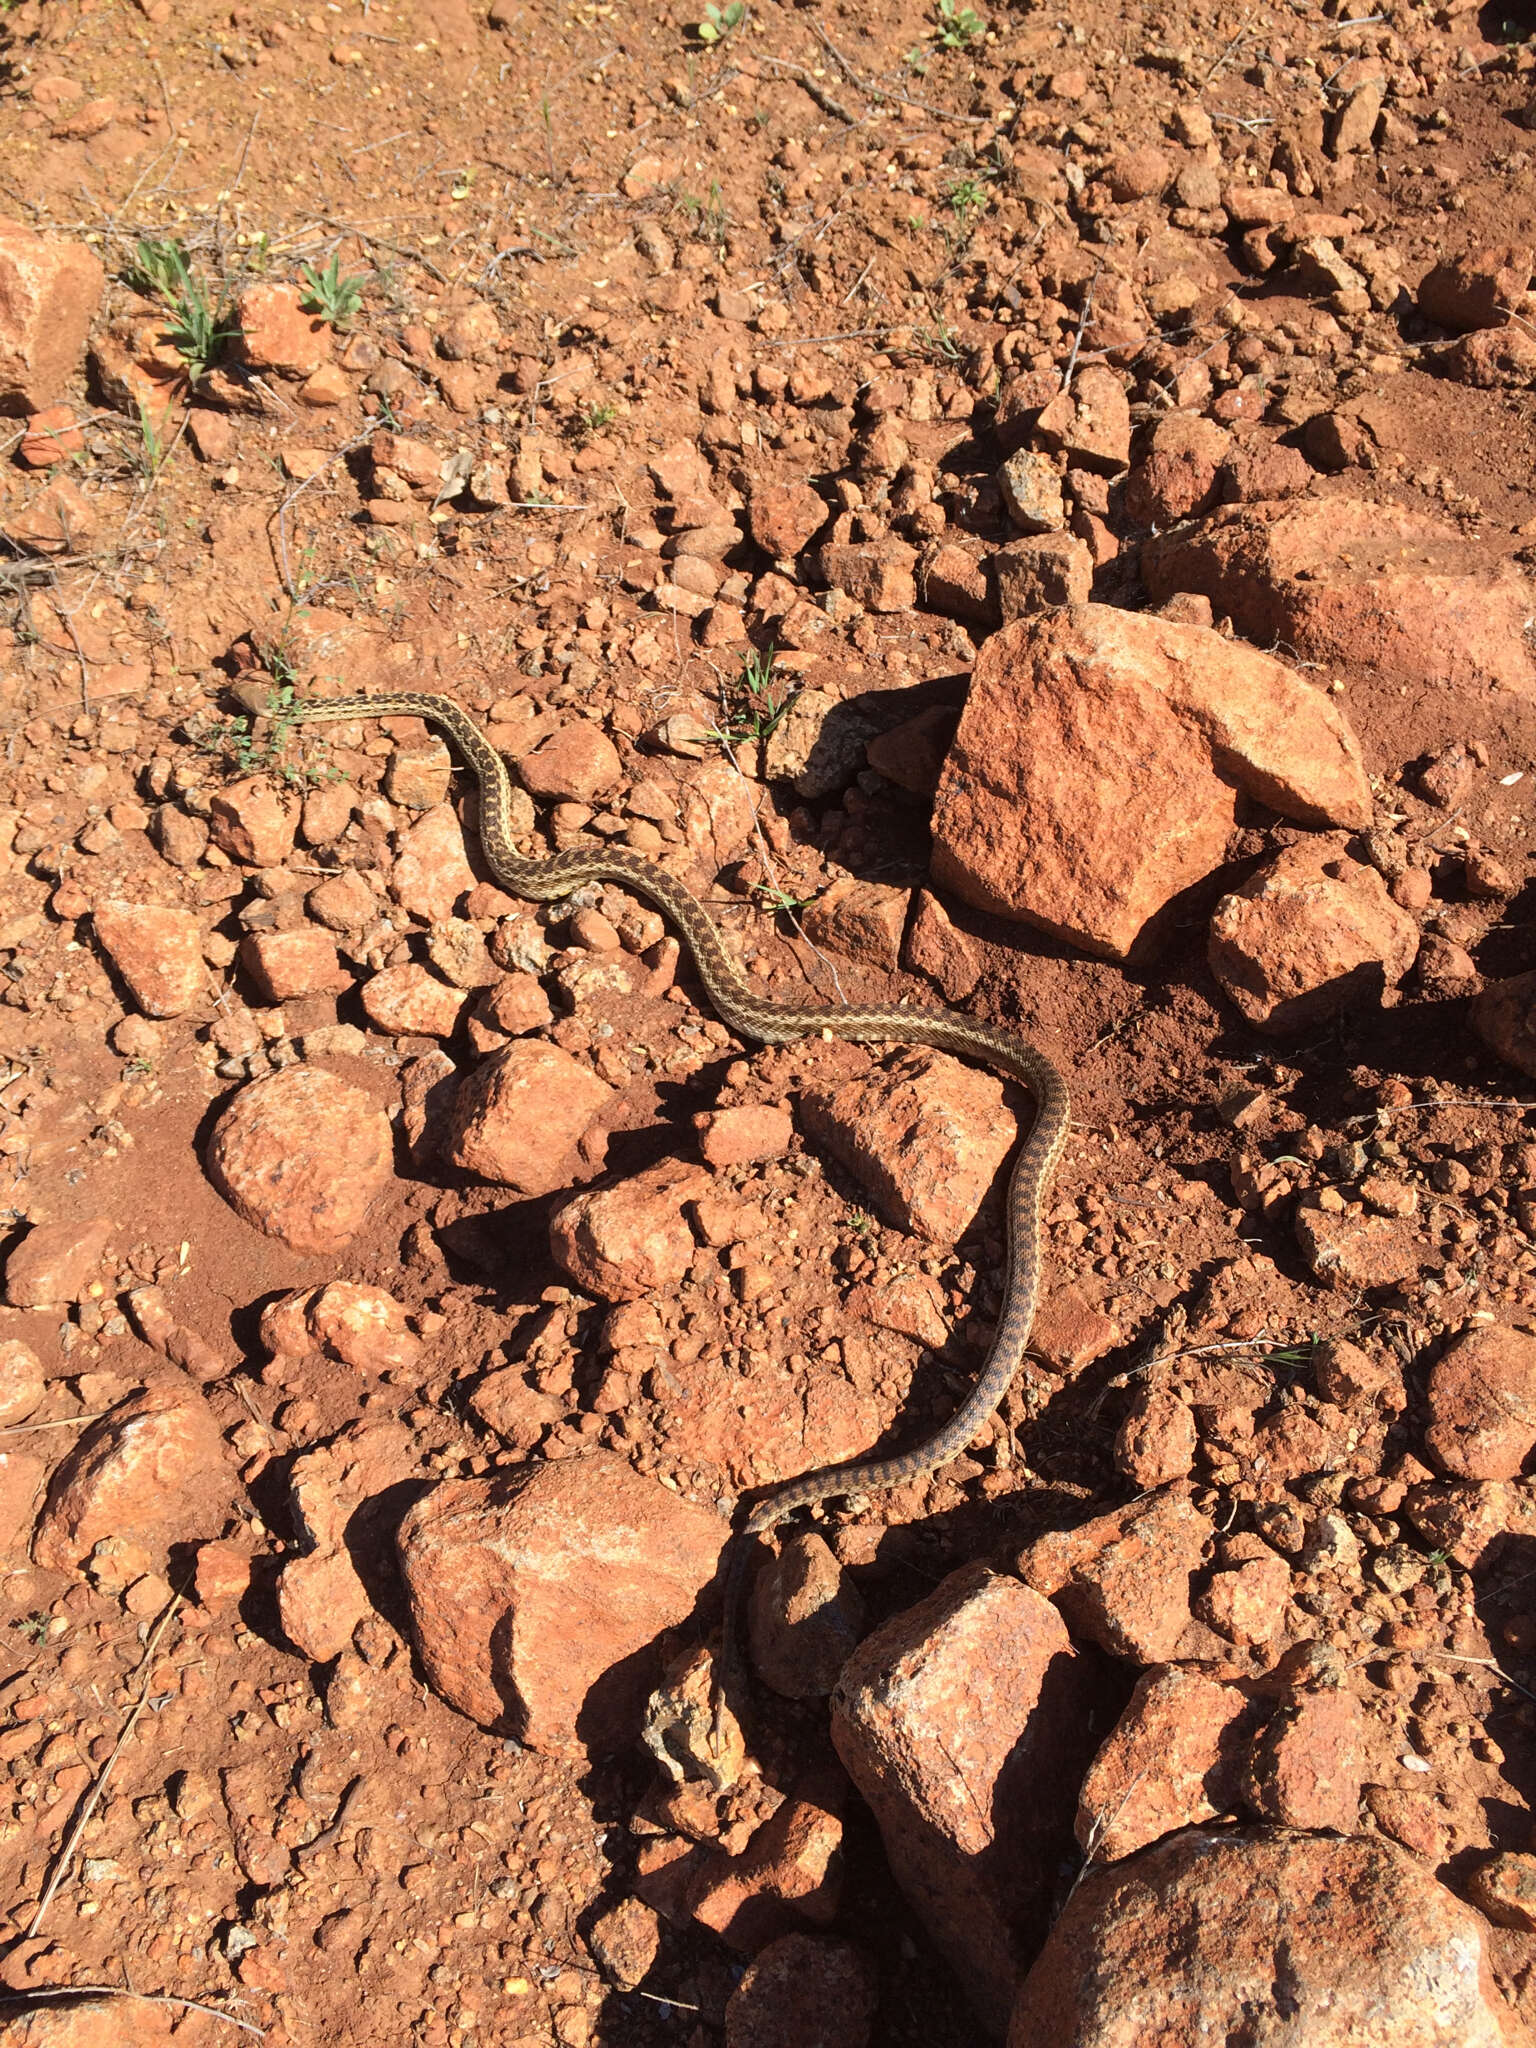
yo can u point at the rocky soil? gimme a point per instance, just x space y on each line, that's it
1028 513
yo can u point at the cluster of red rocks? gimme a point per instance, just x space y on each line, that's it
1106 762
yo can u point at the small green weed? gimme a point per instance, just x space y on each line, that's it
779 901
719 22
152 450
199 328
337 299
957 27
593 418
937 343
235 738
708 216
967 196
753 704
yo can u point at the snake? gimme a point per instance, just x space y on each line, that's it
547 878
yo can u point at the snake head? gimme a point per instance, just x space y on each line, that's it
254 695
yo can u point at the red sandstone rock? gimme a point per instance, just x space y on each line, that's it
277 334
574 765
861 920
962 1724
158 950
1041 573
1349 1251
1156 1441
1093 775
744 1136
791 1869
253 823
1312 933
56 1263
784 518
806 1618
526 1116
431 870
21 1375
1201 1928
952 578
923 1133
117 2022
1125 1578
537 1597
50 287
410 1002
880 574
936 946
1171 1761
1308 1766
154 1468
284 965
1478 289
1504 1888
1504 1018
803 1991
1341 581
1482 1403
301 1156
631 1241
1180 474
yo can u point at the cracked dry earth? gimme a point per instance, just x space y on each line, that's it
1028 512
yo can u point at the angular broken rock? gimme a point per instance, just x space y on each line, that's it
1312 933
806 1617
344 1498
1172 1760
963 1722
818 744
154 1467
525 1117
861 920
537 1597
1482 1403
1124 1579
1096 769
1355 1251
1504 1018
924 1135
1189 1941
50 287
56 1262
803 1991
1307 1769
158 950
360 1326
301 1156
1370 586
629 1242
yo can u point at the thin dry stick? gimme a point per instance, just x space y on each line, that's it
69 1422
148 1998
876 91
93 1797
813 86
812 340
1442 1102
1082 328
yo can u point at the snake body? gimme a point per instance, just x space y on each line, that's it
546 879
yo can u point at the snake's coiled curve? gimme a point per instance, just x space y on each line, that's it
548 878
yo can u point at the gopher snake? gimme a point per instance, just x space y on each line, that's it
773 1024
